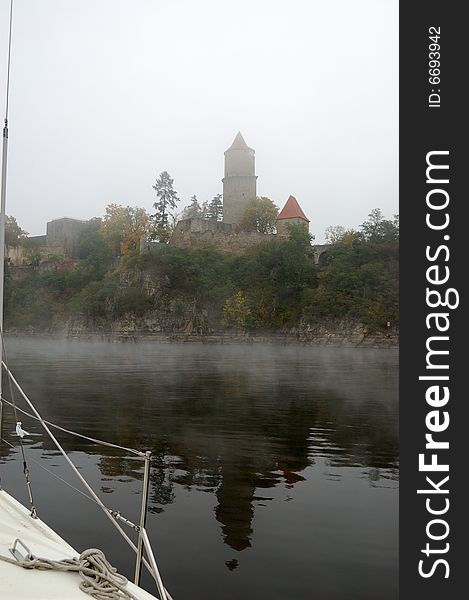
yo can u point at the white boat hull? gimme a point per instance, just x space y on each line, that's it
17 583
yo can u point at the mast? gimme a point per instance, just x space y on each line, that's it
2 238
4 196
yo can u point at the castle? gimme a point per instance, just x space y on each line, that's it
239 186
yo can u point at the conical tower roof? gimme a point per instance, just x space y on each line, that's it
292 210
239 143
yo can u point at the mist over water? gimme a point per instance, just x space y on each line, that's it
275 470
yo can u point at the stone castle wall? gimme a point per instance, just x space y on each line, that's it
283 225
197 233
61 240
16 255
65 232
20 256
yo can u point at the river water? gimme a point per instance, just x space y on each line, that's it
275 469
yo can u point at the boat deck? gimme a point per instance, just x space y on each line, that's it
42 541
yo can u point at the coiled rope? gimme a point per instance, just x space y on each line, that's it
99 578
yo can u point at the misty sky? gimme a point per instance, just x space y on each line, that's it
106 94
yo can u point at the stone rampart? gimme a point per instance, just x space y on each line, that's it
197 233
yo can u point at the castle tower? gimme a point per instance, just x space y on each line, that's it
239 182
291 214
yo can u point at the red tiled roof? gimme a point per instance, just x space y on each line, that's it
292 210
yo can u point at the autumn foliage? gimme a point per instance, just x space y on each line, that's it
123 228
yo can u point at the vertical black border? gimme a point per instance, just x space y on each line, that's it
424 129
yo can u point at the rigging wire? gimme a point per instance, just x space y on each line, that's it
151 564
80 435
53 474
17 409
80 476
2 224
23 454
116 514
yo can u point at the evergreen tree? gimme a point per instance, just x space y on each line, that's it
205 210
193 210
215 208
164 206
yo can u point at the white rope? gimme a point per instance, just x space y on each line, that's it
99 578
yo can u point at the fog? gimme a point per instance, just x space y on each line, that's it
106 95
75 362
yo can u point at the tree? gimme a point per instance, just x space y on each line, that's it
334 233
205 209
113 226
193 210
378 230
215 208
236 312
295 268
138 228
14 235
33 252
93 249
359 280
123 227
260 214
164 206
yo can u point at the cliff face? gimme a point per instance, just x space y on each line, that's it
157 311
150 300
183 319
344 332
195 327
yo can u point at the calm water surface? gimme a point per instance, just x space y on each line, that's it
275 470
